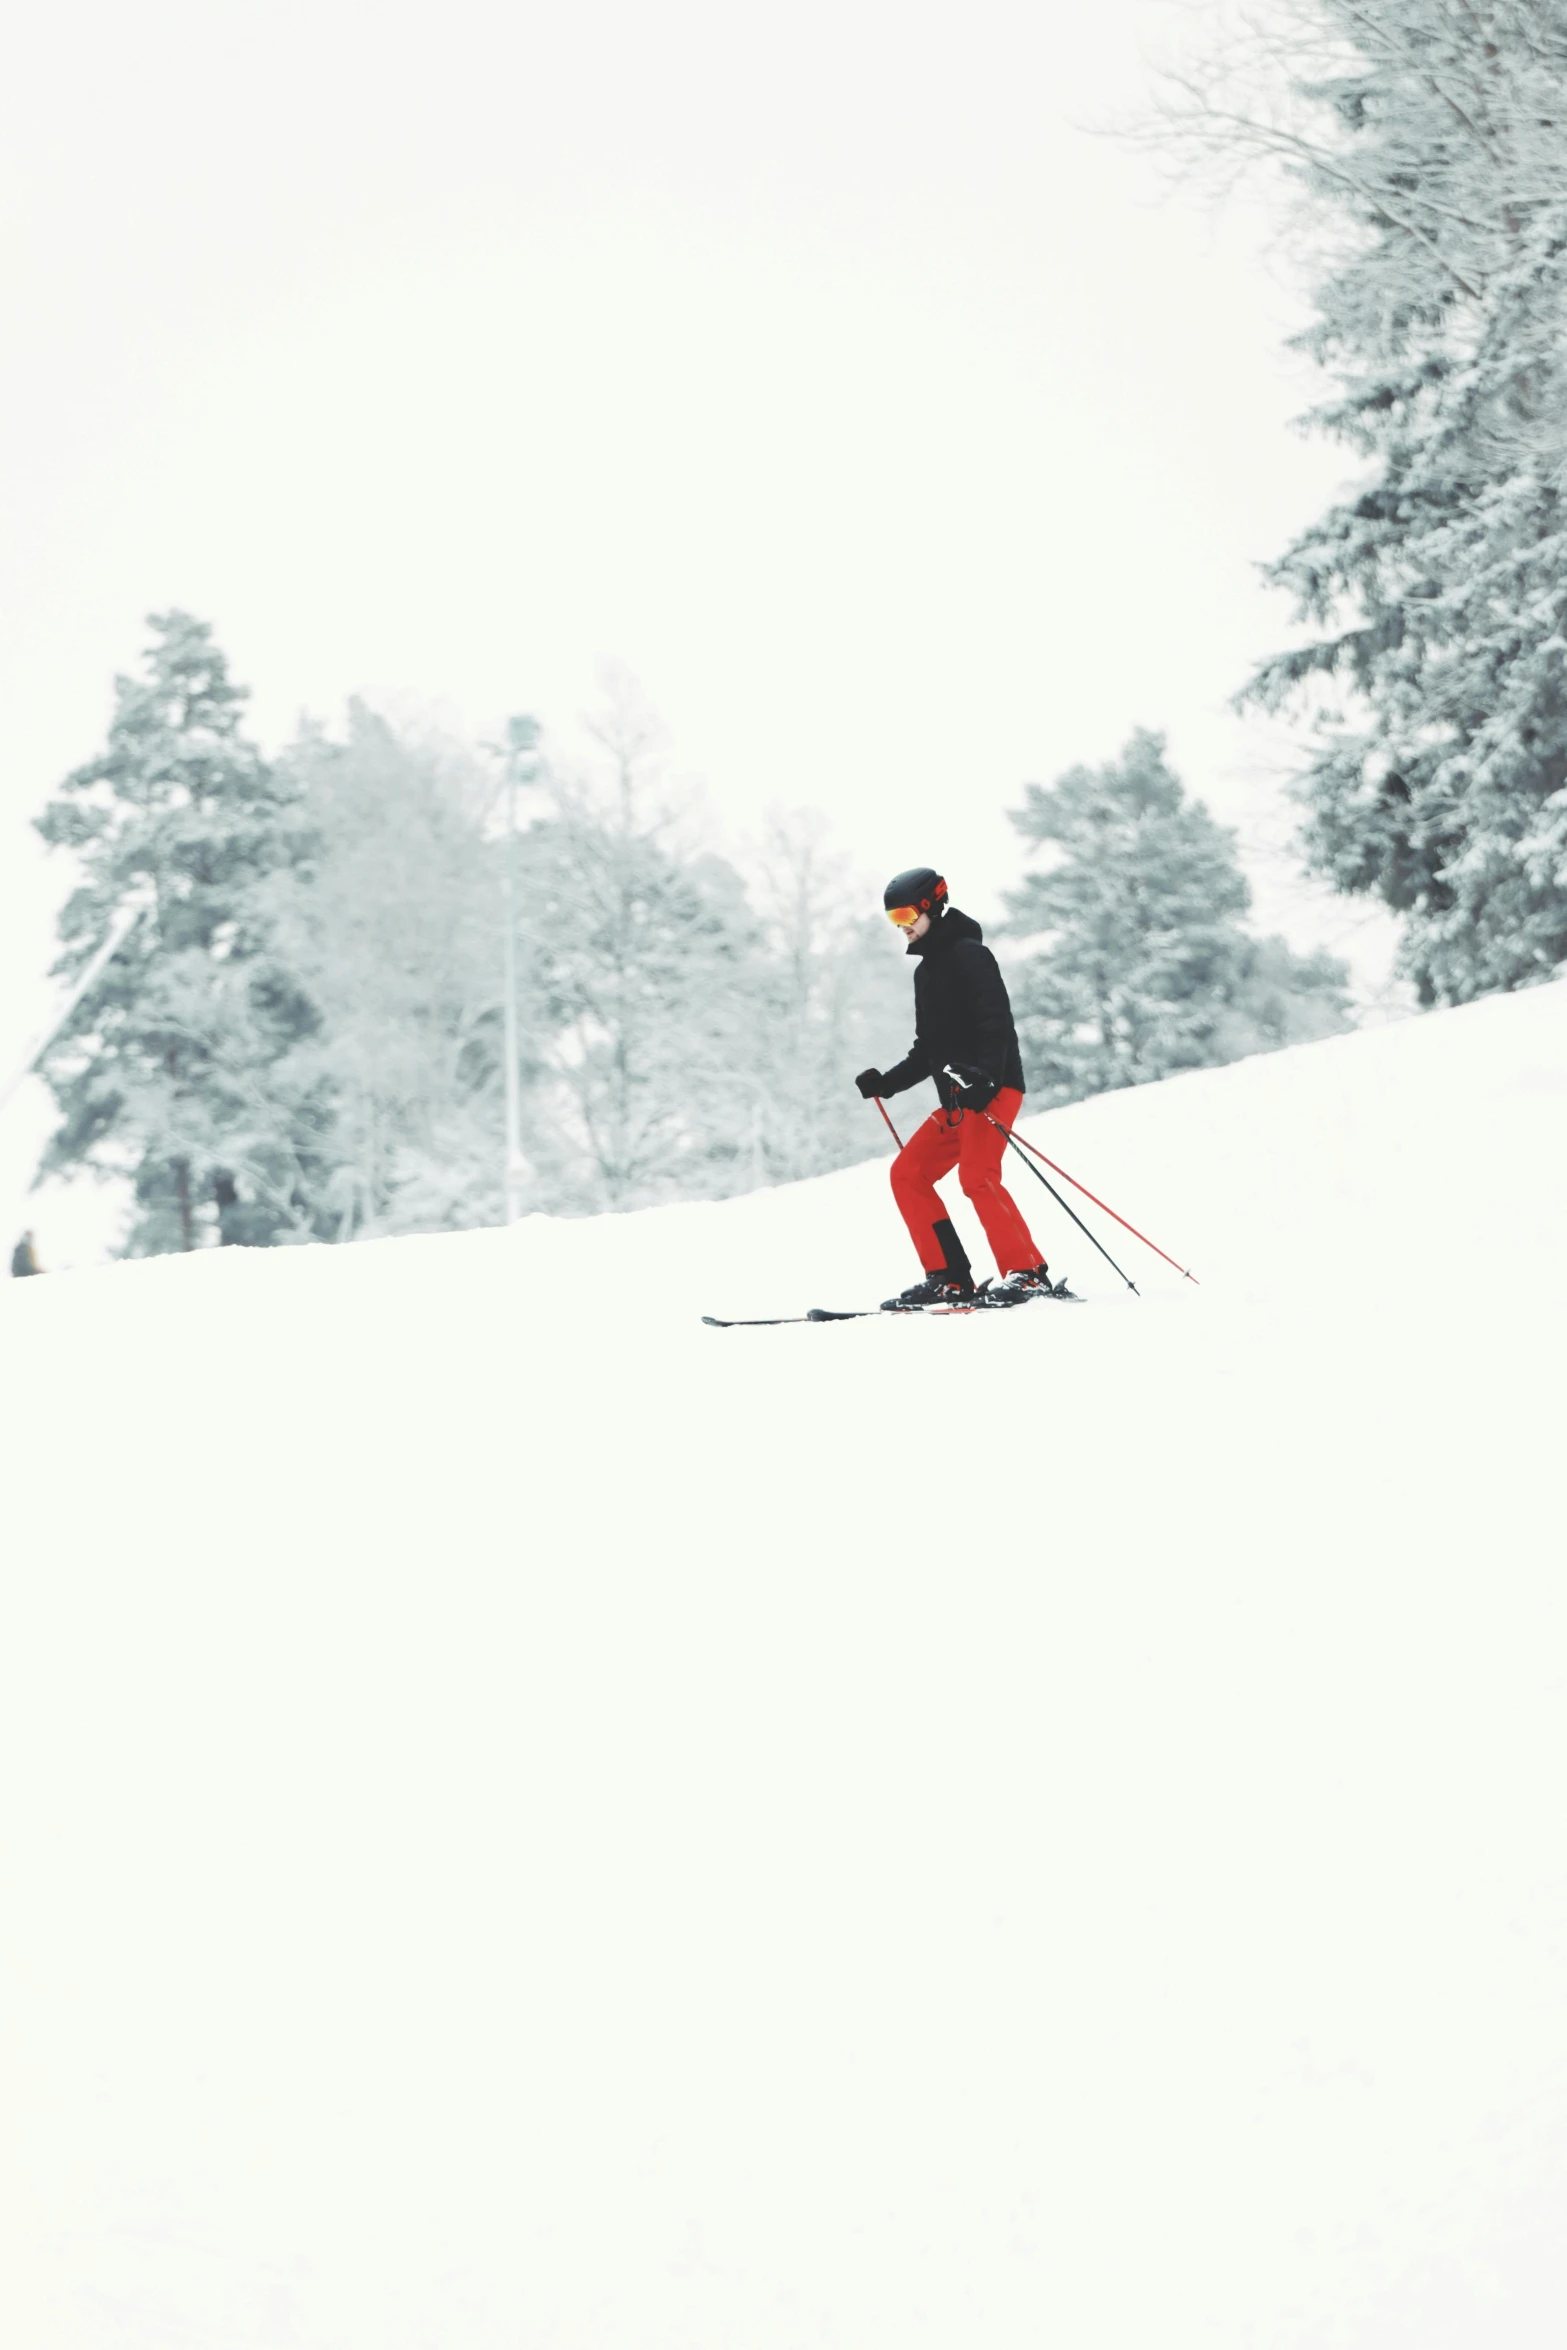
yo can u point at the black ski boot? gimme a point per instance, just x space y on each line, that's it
1016 1289
943 1288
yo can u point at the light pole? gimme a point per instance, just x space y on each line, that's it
522 738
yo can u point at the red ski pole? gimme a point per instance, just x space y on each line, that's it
1060 1202
1099 1203
891 1129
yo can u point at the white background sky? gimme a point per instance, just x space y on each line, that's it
905 438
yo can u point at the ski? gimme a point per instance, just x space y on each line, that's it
1059 1295
777 1321
823 1314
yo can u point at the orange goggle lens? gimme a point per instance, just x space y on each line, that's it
904 916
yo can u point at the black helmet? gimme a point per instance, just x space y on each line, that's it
921 887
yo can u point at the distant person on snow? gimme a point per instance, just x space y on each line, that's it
963 1038
24 1258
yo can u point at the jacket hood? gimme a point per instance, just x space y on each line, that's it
954 924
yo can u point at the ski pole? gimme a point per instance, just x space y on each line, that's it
1061 1203
1018 1142
1007 1136
1024 1144
891 1129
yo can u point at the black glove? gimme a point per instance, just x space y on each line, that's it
975 1091
870 1082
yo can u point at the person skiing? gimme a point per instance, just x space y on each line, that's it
24 1258
965 1039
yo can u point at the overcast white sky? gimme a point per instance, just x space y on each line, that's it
904 438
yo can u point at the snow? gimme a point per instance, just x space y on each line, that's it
531 1821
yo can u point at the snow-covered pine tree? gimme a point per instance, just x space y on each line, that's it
172 1070
1428 140
1142 964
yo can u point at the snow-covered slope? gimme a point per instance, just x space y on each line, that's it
530 1821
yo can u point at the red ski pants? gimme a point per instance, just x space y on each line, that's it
964 1139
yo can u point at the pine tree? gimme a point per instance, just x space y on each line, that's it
170 1070
1426 138
1145 966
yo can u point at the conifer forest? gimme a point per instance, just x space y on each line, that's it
303 1036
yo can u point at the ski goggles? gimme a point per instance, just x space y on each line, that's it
904 916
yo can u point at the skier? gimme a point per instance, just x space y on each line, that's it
24 1258
963 1038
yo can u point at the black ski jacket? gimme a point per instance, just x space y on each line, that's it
962 1014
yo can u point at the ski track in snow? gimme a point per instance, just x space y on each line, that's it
531 1821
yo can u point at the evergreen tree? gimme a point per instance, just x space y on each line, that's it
172 1069
1144 966
1426 138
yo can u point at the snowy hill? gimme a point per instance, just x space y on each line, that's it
534 1822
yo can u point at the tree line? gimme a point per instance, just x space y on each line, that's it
303 1035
